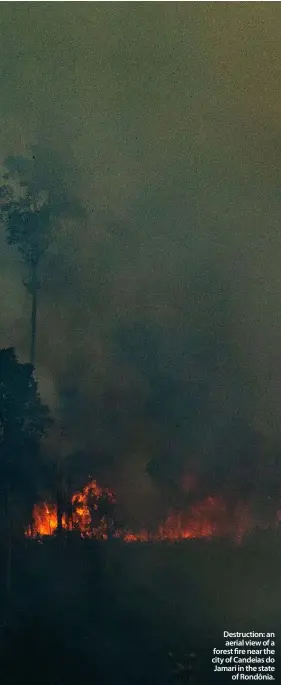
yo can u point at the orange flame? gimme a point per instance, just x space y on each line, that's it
45 520
92 516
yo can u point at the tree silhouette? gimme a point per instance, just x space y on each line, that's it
27 215
23 421
32 199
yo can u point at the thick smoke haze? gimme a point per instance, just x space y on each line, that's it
159 319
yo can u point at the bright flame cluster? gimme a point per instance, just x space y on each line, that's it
92 516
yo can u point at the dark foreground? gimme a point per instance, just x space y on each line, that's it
83 612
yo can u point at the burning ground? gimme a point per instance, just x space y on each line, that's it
93 513
230 490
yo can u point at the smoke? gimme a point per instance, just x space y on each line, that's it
159 314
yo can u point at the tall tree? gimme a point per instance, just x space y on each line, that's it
23 421
27 214
33 196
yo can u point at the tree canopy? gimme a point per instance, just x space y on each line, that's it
24 419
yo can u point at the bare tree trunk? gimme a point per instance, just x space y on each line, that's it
60 503
9 544
34 291
59 514
69 508
33 333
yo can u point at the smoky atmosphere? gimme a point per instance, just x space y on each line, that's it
140 339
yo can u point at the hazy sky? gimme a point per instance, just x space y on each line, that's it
160 313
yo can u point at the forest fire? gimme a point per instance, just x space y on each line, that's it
92 515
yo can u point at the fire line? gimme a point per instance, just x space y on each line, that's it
92 516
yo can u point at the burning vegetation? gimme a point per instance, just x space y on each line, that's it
92 514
